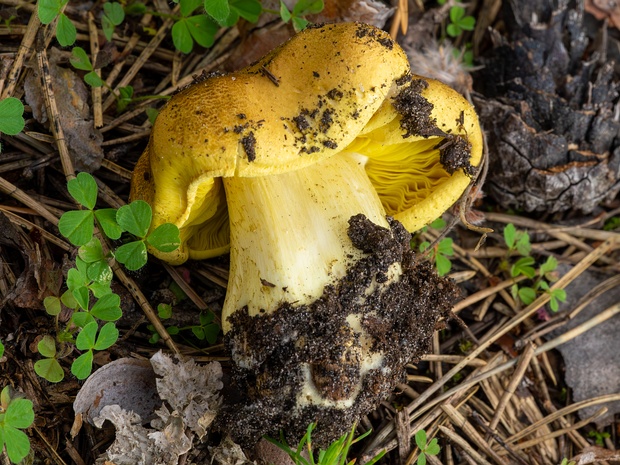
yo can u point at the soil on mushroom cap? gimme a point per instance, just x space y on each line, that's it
415 109
399 319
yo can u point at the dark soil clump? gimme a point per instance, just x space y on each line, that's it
416 111
295 346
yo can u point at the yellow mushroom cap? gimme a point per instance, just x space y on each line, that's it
328 89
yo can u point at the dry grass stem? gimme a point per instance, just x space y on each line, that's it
524 361
464 445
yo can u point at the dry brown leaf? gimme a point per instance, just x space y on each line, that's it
594 454
71 95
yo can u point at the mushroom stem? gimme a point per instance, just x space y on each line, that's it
289 236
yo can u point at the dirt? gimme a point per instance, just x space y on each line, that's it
454 150
400 321
249 145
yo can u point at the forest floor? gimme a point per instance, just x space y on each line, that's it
530 373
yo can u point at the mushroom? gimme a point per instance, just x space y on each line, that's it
312 164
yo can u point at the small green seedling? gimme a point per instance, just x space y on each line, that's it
519 241
441 251
89 340
11 116
1 349
336 453
599 437
207 330
113 15
301 9
80 60
566 462
48 11
125 97
431 448
612 223
459 21
16 414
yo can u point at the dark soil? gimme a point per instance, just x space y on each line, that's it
400 320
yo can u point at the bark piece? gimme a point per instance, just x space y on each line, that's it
550 111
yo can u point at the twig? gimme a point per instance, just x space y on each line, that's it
561 319
512 386
461 422
126 52
455 438
21 196
563 412
53 115
116 169
24 49
18 220
480 421
143 58
484 293
560 432
452 359
146 307
494 371
96 92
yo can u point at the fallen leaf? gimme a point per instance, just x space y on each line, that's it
74 114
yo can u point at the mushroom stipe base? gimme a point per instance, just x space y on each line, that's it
335 359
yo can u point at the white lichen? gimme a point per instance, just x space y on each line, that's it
191 400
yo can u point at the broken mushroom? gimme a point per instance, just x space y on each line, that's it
312 164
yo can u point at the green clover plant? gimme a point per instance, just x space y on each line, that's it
11 116
113 15
441 251
519 241
89 293
48 11
80 60
16 414
430 448
227 12
190 27
88 340
48 368
459 21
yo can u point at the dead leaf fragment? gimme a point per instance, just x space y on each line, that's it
191 390
229 453
594 454
71 95
137 445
